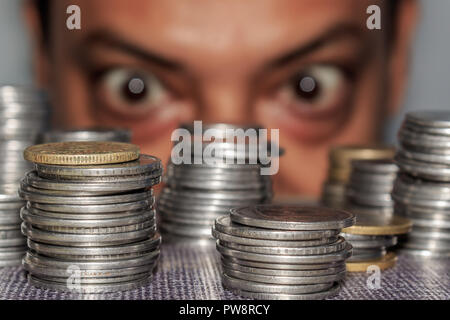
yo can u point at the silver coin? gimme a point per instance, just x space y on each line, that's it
13 242
430 233
285 259
96 281
426 157
10 263
283 280
101 216
424 141
426 170
271 243
115 185
292 217
10 234
40 270
91 265
9 197
436 119
191 201
289 251
10 217
195 215
186 231
283 273
234 283
218 195
378 200
382 166
86 240
13 254
84 200
224 225
188 221
93 209
87 288
428 244
98 230
214 184
282 296
381 242
144 165
75 223
109 252
426 253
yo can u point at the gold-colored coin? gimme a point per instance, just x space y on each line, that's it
385 262
342 156
82 153
378 225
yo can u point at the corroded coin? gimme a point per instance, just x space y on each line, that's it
82 153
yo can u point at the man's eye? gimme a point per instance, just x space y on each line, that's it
316 88
129 88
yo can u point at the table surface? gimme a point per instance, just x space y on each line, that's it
187 272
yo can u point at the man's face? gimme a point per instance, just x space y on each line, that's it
309 68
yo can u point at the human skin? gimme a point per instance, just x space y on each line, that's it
231 62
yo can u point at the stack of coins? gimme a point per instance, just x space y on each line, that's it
340 158
23 116
283 252
88 134
89 217
370 186
422 189
369 197
196 194
370 237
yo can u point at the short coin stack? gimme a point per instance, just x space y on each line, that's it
89 217
23 116
340 159
88 134
283 252
422 189
196 194
369 197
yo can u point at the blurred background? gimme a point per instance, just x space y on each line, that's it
428 87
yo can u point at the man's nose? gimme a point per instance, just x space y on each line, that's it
226 101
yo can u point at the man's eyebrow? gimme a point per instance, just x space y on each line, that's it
336 32
109 39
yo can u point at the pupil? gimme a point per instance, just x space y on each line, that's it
306 87
134 89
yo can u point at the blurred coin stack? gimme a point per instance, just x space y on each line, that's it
340 158
89 216
87 134
196 194
422 189
369 198
23 116
283 252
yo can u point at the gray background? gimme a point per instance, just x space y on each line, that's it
428 89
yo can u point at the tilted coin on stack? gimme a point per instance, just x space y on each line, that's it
196 194
90 216
340 159
422 189
87 134
283 252
23 116
369 198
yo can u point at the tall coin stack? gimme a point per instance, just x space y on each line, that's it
89 217
23 116
87 134
340 158
422 189
196 194
369 198
283 252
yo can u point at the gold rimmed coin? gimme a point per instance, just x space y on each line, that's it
367 224
387 261
82 153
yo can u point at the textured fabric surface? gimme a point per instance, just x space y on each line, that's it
194 273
